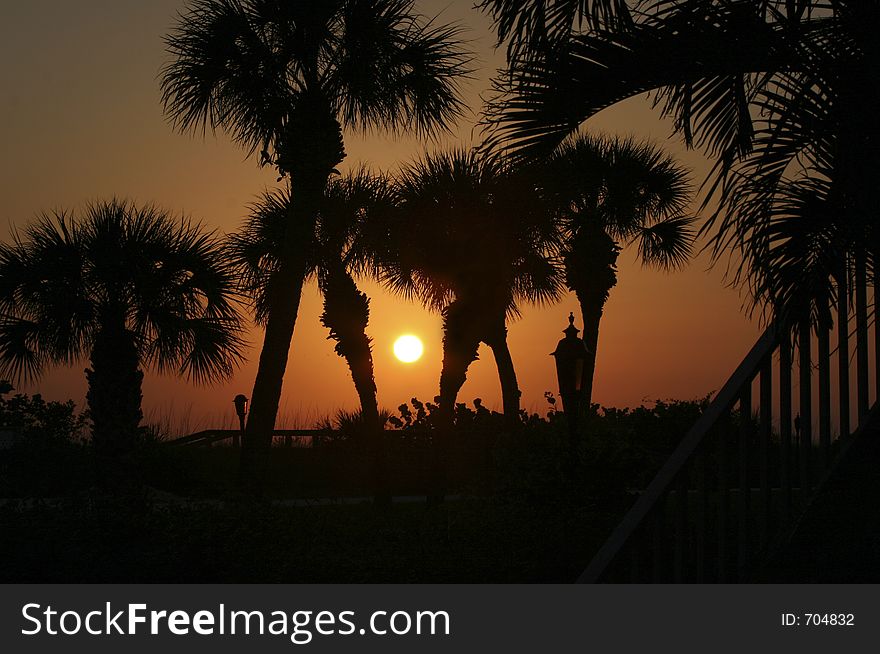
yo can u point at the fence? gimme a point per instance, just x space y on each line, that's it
747 467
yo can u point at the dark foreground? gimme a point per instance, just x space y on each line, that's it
520 514
468 540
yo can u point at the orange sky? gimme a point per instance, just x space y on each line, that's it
81 120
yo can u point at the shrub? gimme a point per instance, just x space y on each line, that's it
48 455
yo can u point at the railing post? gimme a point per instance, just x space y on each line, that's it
805 371
635 559
785 422
843 355
745 436
702 510
876 285
824 355
658 529
764 432
862 337
681 539
723 497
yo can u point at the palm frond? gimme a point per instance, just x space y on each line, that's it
667 244
686 54
258 68
255 249
229 71
471 226
528 25
115 266
21 357
397 71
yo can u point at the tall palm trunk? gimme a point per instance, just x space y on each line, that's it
114 399
510 393
591 272
461 341
283 309
309 149
346 315
592 307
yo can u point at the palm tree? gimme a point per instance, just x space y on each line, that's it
529 26
283 77
255 249
779 93
470 240
800 206
130 288
609 193
706 61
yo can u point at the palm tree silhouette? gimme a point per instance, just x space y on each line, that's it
127 286
799 205
334 248
611 192
471 240
283 78
778 93
706 61
529 26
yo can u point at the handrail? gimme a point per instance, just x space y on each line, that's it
733 486
723 401
209 436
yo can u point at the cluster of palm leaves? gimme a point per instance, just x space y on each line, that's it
471 234
778 91
285 78
474 237
126 287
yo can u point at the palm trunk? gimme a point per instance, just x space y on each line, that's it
591 272
461 341
114 401
346 315
592 306
309 149
510 393
266 394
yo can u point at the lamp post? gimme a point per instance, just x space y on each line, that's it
241 408
570 355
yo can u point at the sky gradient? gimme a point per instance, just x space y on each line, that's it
82 121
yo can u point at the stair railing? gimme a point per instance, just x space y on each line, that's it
745 470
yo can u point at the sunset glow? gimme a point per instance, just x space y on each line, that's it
408 348
210 180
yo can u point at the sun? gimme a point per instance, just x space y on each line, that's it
408 348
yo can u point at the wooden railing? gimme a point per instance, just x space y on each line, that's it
209 437
745 470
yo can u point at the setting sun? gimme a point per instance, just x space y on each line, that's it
408 348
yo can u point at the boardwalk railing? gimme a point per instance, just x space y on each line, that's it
745 470
209 437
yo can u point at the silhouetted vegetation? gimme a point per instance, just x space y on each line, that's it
337 245
608 193
44 446
780 94
623 449
514 516
471 239
128 287
357 65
